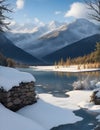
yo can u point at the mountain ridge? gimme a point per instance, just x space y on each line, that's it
40 44
8 49
80 48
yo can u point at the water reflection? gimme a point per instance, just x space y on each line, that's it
81 74
58 83
85 80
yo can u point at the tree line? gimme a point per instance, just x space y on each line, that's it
91 60
6 61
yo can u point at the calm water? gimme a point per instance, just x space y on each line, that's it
58 84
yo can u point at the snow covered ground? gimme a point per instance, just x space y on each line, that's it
40 116
10 77
12 121
48 112
72 68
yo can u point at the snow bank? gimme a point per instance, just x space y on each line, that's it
43 115
47 114
10 77
82 99
90 106
13 121
52 111
72 68
75 97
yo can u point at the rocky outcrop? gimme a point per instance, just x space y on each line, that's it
18 96
95 98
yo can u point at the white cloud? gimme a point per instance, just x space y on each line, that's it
57 12
80 10
38 22
20 4
77 10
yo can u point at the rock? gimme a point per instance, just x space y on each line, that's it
10 104
29 94
9 99
95 98
18 96
17 101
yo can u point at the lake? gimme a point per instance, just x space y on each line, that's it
58 84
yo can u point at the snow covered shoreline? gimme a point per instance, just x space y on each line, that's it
48 112
63 69
41 116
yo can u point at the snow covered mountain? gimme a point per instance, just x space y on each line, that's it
11 51
49 38
53 25
27 34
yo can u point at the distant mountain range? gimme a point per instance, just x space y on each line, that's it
36 44
8 49
80 48
27 35
46 39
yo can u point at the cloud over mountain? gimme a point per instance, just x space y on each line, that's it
77 10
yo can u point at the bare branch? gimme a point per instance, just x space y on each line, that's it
94 6
4 8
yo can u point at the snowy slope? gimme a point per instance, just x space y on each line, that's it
23 35
12 121
10 77
54 36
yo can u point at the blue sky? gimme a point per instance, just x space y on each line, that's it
42 10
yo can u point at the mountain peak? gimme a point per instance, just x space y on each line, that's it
54 36
54 24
